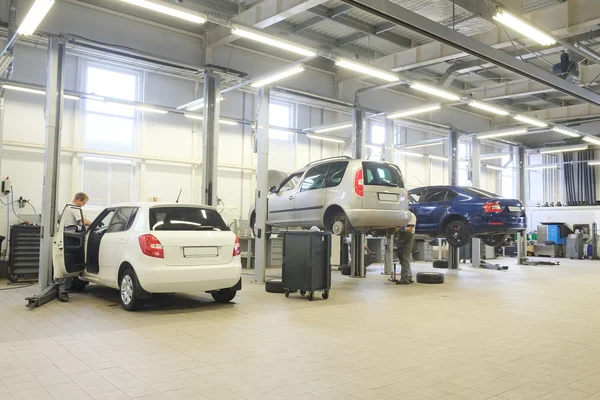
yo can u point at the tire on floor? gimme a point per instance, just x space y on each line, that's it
430 277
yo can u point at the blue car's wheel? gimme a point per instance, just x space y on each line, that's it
493 240
457 234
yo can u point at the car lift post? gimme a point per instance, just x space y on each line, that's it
55 77
210 138
357 259
522 192
262 183
388 155
453 255
476 183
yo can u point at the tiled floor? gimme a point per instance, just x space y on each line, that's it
526 333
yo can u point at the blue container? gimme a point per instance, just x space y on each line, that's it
555 234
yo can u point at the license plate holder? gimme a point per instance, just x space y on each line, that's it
198 252
388 197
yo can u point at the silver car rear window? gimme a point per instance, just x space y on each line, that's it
380 174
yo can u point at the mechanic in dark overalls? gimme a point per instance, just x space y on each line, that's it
404 238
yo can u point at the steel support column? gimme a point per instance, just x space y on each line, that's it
210 139
476 183
453 256
409 19
262 183
357 259
522 193
388 155
55 76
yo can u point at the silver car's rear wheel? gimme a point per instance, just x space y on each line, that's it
338 227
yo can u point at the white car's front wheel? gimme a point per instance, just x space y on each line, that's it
129 291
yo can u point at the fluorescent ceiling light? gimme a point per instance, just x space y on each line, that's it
542 166
373 146
71 97
593 162
150 109
485 107
36 14
24 89
563 149
434 91
409 154
258 37
501 133
374 72
591 139
530 121
496 167
325 138
414 111
414 146
434 157
173 11
277 76
492 156
198 104
524 28
334 128
201 117
565 131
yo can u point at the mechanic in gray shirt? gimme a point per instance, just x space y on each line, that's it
72 215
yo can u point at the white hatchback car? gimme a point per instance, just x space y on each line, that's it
147 248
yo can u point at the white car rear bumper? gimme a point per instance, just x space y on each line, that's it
171 279
377 219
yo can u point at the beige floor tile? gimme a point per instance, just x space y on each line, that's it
72 395
565 394
179 394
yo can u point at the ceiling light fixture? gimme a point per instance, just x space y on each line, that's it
501 133
24 89
414 146
326 138
70 97
492 156
150 109
373 146
435 91
196 104
530 121
592 163
485 107
414 111
333 128
495 167
434 157
542 166
374 72
277 76
36 14
591 139
523 28
172 10
566 131
409 154
563 149
201 118
259 37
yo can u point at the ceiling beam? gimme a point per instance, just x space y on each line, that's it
260 16
361 26
409 19
223 7
307 24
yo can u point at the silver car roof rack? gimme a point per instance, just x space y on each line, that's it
329 158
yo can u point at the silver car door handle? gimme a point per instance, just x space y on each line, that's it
122 241
291 198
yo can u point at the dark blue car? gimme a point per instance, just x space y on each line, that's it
461 213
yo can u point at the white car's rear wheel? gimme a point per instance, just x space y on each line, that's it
129 292
338 227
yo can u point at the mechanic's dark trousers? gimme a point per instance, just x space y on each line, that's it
404 245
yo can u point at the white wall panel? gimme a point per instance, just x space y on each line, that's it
165 181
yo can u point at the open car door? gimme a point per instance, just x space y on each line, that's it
68 250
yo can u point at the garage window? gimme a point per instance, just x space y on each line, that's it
108 181
280 114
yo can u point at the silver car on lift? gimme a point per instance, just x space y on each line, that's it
341 195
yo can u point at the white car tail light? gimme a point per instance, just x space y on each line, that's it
151 246
237 249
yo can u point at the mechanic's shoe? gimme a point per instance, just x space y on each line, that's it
404 282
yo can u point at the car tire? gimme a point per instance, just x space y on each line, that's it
255 231
224 296
274 286
457 233
430 277
440 264
493 240
79 285
129 291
